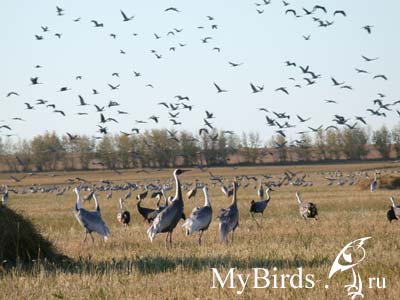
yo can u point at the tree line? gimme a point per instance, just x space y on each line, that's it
159 148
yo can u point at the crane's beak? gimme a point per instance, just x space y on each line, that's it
184 170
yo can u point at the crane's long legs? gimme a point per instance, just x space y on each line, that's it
166 240
252 215
200 235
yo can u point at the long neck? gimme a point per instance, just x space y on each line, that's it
298 198
178 193
234 200
121 205
206 199
268 196
96 202
78 200
392 200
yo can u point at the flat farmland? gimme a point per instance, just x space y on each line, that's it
129 266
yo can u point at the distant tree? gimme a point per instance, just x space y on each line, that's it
320 145
23 155
250 147
85 147
304 147
123 148
279 142
396 139
188 148
163 149
106 152
208 148
354 143
47 150
382 141
333 144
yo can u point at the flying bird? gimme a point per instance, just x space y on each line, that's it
282 89
125 17
219 90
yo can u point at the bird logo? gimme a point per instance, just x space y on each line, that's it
348 258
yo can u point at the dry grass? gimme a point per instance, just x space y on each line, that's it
388 181
130 267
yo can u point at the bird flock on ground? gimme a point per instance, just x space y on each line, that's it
302 76
167 215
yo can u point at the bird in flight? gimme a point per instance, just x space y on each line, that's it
380 76
330 101
172 9
12 94
335 82
97 24
340 12
219 90
368 28
235 64
82 101
367 59
28 106
256 89
282 89
114 87
35 80
125 17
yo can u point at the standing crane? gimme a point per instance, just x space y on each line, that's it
394 212
259 206
124 216
200 218
90 220
192 192
4 196
229 217
374 184
308 209
168 218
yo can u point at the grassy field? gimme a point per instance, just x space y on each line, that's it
130 267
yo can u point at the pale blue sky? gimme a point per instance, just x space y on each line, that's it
262 42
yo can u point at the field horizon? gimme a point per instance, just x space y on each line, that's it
130 266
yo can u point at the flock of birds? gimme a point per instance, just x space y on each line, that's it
303 76
165 218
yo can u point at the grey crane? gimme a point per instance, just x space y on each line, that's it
258 207
168 218
4 196
374 184
124 216
90 220
394 212
229 217
192 192
308 209
200 218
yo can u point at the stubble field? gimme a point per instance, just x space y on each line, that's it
128 266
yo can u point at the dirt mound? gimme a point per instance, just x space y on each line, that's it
390 182
20 240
